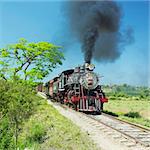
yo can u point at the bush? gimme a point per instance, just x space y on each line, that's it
36 133
17 102
133 115
6 140
110 113
121 94
112 98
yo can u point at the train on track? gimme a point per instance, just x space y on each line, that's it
78 87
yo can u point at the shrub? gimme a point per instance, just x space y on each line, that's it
6 140
17 103
36 133
110 113
121 94
112 98
133 115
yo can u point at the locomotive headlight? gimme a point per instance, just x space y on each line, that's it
86 65
91 67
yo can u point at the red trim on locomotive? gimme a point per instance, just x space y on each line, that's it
75 99
104 100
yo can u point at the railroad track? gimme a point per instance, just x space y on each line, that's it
134 124
132 136
129 130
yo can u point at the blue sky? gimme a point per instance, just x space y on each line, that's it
45 21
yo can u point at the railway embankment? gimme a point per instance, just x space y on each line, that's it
47 129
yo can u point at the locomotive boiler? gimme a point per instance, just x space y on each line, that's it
78 87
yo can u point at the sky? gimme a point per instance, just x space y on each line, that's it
38 20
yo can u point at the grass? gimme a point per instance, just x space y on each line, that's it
47 129
140 121
137 111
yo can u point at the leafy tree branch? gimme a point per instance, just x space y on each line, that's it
29 61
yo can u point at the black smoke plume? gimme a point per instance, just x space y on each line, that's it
96 24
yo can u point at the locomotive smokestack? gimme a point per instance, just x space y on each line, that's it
96 24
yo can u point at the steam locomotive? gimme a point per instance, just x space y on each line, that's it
78 87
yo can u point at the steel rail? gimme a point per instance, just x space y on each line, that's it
123 133
133 124
132 137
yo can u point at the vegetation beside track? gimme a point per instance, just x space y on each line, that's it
47 129
129 103
27 121
132 111
17 103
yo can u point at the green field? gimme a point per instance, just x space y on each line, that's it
137 111
129 103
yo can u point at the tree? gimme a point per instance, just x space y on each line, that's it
29 61
17 102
